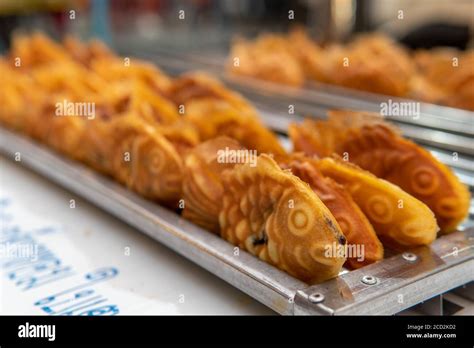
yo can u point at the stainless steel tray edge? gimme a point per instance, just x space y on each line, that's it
398 282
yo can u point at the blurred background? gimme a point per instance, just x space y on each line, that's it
208 26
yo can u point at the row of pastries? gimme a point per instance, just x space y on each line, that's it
371 62
351 180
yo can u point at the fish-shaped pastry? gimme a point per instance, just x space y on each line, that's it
182 134
214 118
274 215
374 63
368 141
35 50
448 74
201 86
18 91
315 60
269 58
85 53
116 69
140 89
398 218
214 110
154 168
137 155
357 229
202 183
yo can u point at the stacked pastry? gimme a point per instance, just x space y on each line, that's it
372 63
142 118
192 144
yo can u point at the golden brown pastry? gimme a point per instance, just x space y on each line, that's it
151 106
450 73
314 138
214 110
131 132
135 135
145 160
274 215
30 106
422 89
17 89
366 140
313 59
372 62
134 153
36 50
97 145
214 118
139 135
85 53
268 58
199 86
119 70
182 134
375 64
65 134
353 223
398 218
202 183
138 87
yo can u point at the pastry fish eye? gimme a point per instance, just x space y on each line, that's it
156 161
342 240
300 219
424 180
379 209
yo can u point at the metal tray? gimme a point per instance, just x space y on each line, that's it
313 94
386 287
438 126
